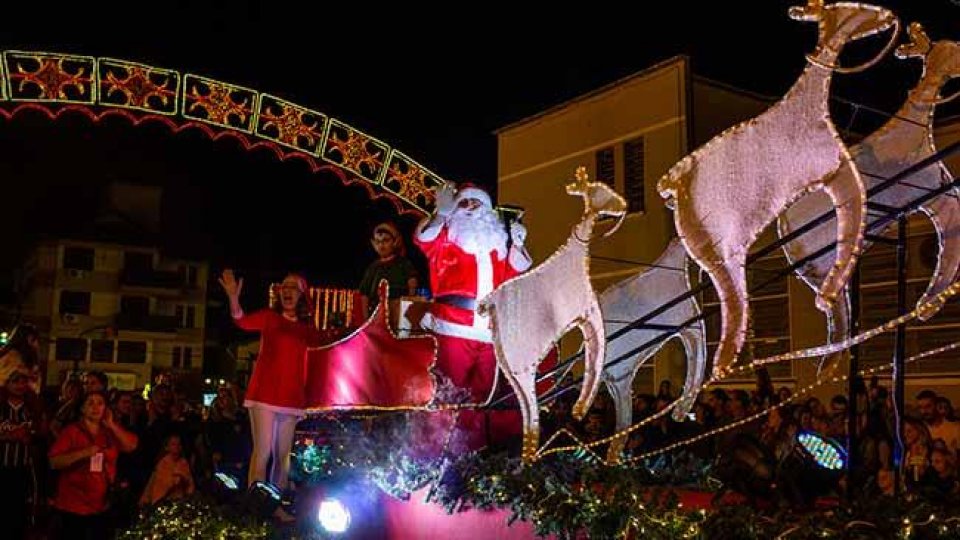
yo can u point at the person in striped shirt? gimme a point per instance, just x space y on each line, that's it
16 437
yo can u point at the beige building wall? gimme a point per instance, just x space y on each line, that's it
649 113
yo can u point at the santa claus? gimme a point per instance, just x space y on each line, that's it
467 248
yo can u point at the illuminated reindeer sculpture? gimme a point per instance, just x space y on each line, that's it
630 300
726 192
529 313
904 140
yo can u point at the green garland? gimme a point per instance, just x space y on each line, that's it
564 495
569 494
195 518
621 503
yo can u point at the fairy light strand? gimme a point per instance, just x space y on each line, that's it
800 393
939 299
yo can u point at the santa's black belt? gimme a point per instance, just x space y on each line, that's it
456 300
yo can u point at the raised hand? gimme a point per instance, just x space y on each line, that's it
446 199
230 284
518 233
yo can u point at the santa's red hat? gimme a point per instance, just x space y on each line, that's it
473 191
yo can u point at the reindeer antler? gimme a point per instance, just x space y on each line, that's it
810 12
581 186
919 44
581 177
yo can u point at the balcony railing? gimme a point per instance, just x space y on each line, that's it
147 323
154 279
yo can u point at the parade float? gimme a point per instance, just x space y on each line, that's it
789 166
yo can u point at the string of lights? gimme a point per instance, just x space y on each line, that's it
586 447
938 300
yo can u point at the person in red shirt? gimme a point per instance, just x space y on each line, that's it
275 394
86 453
467 248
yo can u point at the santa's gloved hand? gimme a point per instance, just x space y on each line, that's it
518 233
446 201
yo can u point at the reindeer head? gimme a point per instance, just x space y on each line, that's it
843 22
941 58
919 44
854 20
599 199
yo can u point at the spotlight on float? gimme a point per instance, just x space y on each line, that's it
263 498
227 481
226 487
333 516
812 469
824 452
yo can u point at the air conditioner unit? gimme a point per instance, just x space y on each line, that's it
75 274
70 318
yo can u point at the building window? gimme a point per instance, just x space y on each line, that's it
137 261
633 174
101 350
189 273
75 302
135 306
78 258
132 352
187 358
606 170
186 316
175 360
878 304
73 349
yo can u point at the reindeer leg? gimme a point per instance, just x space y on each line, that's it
848 194
730 280
944 212
838 329
622 392
595 349
695 345
523 383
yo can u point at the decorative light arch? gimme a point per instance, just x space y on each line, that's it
56 84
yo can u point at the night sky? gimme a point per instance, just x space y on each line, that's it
432 83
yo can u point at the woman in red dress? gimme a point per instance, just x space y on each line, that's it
275 395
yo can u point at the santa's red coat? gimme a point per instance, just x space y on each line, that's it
453 271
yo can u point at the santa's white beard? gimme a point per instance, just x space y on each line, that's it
478 232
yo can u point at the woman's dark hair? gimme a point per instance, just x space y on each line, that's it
20 342
87 395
